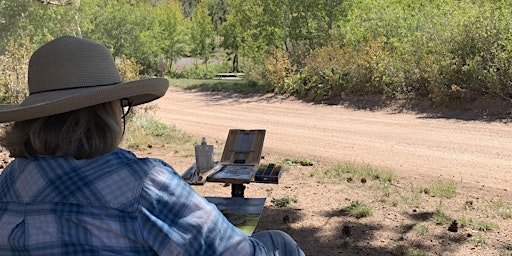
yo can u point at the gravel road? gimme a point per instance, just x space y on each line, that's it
410 144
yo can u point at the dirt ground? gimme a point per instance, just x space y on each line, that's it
420 148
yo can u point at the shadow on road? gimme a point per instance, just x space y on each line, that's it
488 109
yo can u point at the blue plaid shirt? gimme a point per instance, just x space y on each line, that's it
115 204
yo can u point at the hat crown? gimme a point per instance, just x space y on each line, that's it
69 63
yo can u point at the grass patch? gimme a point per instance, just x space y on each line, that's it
142 130
465 222
441 218
501 208
158 129
298 161
421 228
485 225
283 201
350 172
479 239
401 249
497 205
418 252
505 213
213 85
443 190
477 225
358 210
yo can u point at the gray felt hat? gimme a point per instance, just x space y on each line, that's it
69 73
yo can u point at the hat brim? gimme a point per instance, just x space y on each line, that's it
56 102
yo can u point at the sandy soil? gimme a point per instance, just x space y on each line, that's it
419 149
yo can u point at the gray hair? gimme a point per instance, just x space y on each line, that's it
83 134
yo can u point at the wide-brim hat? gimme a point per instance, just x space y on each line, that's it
70 73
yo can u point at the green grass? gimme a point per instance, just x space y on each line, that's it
443 190
400 249
358 210
503 209
421 228
142 130
157 129
465 222
214 85
477 225
283 201
497 205
441 218
485 225
479 239
418 252
505 213
353 172
298 161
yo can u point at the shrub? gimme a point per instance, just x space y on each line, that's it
128 68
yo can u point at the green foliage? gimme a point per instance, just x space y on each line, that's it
204 71
14 71
445 51
128 68
37 21
202 34
137 30
170 31
283 201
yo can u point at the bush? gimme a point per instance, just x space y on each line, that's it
445 51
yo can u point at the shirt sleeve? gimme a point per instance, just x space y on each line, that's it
175 220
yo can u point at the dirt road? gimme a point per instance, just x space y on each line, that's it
412 145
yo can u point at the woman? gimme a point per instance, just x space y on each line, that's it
72 191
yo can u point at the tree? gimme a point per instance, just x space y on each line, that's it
241 33
172 36
36 20
202 34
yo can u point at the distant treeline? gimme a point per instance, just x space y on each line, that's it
442 50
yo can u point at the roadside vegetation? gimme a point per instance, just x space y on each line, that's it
426 211
444 52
